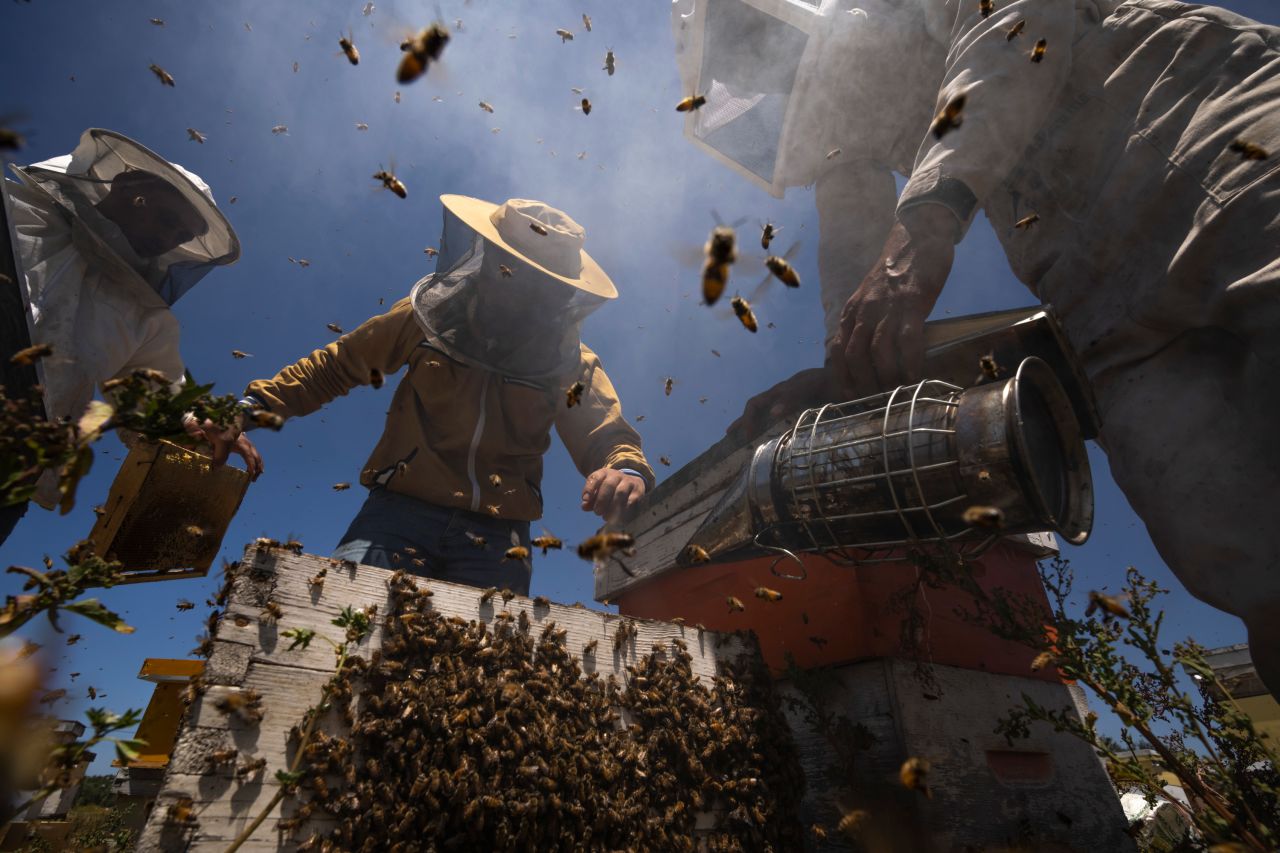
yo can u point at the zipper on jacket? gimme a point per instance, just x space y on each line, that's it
475 443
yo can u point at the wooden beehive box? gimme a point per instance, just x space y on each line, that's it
248 652
167 512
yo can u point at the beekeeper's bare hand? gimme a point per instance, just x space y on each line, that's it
882 327
223 440
611 494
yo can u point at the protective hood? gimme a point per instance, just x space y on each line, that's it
489 308
177 234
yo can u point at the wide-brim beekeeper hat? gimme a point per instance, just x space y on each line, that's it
517 227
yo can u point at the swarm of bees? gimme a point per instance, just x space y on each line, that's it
505 742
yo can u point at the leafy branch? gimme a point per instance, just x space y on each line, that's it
58 589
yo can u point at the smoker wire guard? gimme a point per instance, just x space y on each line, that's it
995 440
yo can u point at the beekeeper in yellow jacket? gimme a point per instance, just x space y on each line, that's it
1127 155
494 361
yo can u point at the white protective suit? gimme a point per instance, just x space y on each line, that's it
1157 244
104 310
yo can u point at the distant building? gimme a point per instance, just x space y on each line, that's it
1234 669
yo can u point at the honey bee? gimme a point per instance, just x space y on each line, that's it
506 271
668 384
695 554
665 460
368 9
538 228
29 355
692 102
586 106
271 612
507 595
249 768
270 420
348 45
494 509
1041 661
245 704
603 545
742 308
721 251
235 353
914 774
11 140
986 7
335 328
279 129
852 823
767 232
1248 150
735 604
317 580
181 811
341 487
223 756
165 78
609 62
397 96
296 66
1037 52
833 153
1026 222
495 481
476 540
547 542
159 22
990 368
430 251
195 135
574 395
590 648
784 272
419 52
766 594
184 605
541 601
1111 605
391 182
1015 30
565 36
361 126
517 552
986 517
487 107
948 118
819 834
586 21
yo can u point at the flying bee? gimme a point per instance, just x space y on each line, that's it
376 378
184 605
851 823
1037 52
538 228
665 460
986 517
542 601
195 135
948 118
668 384
721 251
1111 605
766 594
767 232
495 481
367 10
270 420
1041 661
783 270
986 7
692 102
990 368
159 22
507 595
695 555
1248 150
235 353
742 308
475 539
341 487
547 542
914 774
586 21
391 182
10 139
165 78
348 45
335 328
516 552
420 51
586 106
603 545
488 594
1015 30
361 126
574 395
430 251
31 354
486 106
833 153
506 271
565 36
279 129
610 64
1027 221
735 604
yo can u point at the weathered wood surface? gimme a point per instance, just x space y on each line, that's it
249 653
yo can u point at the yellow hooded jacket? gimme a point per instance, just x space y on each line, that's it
451 427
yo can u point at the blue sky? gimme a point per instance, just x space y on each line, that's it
641 191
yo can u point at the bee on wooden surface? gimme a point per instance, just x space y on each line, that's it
420 51
565 35
516 552
245 704
195 135
1110 605
391 182
488 594
541 601
585 106
626 630
1015 30
914 774
348 45
949 117
742 308
250 768
586 21
184 605
223 756
1248 150
781 269
271 612
1037 52
721 251
766 594
31 354
986 7
603 545
238 354
486 106
523 621
181 811
985 517
317 580
692 102
506 271
507 596
735 604
665 460
547 542
610 63
695 555
990 368
767 232
574 395
590 647
165 78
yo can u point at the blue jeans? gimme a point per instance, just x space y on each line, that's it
390 522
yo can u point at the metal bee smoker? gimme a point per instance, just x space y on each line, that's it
860 481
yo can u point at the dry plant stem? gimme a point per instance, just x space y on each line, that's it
312 716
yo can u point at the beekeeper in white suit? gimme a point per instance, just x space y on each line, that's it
1141 155
106 239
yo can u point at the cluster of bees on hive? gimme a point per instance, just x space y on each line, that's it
471 737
